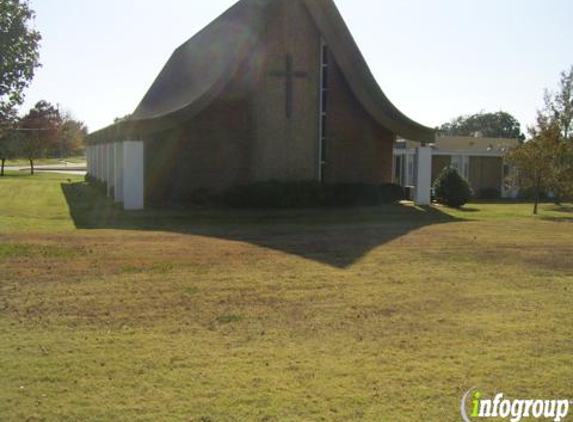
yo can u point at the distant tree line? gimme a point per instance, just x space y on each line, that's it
490 125
44 130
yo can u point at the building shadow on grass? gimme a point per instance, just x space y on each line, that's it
336 237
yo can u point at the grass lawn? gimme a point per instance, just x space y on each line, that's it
381 314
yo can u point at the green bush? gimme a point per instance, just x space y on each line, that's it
529 194
273 195
490 193
201 198
309 195
349 195
392 193
451 189
96 184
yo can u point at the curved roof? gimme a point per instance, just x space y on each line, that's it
199 70
358 74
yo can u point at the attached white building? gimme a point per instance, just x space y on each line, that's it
481 161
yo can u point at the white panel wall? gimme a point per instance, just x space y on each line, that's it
106 162
89 158
110 169
100 162
423 176
95 154
133 175
121 166
118 182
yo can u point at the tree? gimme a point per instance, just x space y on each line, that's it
71 135
491 125
536 159
559 105
40 129
558 113
19 56
122 119
9 121
563 172
9 147
8 138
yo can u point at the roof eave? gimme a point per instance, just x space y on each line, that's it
358 75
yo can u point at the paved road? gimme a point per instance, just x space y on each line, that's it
73 172
63 168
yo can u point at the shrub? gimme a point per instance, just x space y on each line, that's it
348 195
392 193
451 189
529 194
273 195
96 184
201 198
490 193
310 194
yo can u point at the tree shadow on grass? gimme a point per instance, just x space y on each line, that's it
564 213
561 208
336 237
560 219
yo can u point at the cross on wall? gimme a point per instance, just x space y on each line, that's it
290 75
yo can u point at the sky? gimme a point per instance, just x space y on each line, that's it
435 60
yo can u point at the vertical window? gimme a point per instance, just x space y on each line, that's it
398 169
462 164
324 102
410 177
506 170
456 163
323 110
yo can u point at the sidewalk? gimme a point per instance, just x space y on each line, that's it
63 168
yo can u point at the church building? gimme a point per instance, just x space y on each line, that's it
270 90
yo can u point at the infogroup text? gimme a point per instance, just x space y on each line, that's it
514 410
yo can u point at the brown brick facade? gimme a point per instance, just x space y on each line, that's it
245 135
287 148
212 151
357 148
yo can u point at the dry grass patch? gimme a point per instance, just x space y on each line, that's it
386 314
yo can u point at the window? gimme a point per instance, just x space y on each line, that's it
398 169
323 110
462 164
410 177
324 101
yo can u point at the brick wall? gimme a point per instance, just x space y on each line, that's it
212 151
358 149
246 136
287 149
